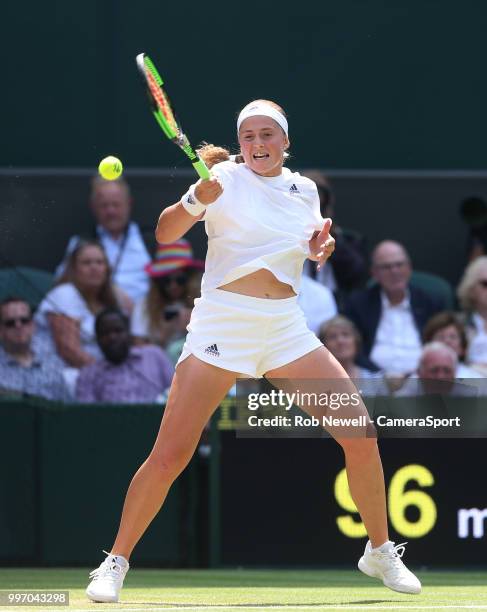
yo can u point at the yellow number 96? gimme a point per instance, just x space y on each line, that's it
398 501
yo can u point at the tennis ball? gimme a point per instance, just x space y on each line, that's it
110 168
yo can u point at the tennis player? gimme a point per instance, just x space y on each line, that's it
262 222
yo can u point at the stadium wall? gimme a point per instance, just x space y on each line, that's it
41 208
254 503
366 84
65 471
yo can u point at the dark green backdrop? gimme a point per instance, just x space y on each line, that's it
64 472
366 83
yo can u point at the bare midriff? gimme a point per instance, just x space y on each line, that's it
261 284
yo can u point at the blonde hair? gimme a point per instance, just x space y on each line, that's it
106 293
211 154
340 321
473 272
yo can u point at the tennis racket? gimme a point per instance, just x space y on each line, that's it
164 113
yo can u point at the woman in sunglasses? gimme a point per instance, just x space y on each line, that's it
163 314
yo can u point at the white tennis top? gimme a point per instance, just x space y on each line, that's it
259 222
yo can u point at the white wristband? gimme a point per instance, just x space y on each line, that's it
191 203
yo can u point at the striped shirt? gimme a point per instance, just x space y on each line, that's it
42 378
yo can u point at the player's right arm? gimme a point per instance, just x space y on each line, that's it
175 221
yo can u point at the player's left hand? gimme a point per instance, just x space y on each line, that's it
322 245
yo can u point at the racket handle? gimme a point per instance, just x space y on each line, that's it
201 169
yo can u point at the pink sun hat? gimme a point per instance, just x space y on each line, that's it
174 256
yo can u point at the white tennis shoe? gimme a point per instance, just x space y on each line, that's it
107 580
385 563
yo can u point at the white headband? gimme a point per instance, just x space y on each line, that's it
260 108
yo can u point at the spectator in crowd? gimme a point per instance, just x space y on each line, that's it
342 339
162 316
193 289
121 238
317 303
347 269
126 374
445 327
67 313
472 295
390 315
24 368
436 374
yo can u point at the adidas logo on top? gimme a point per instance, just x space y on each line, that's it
212 350
293 189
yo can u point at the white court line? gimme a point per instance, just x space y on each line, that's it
148 608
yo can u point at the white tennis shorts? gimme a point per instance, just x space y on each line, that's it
246 334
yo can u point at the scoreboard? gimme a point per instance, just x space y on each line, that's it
286 502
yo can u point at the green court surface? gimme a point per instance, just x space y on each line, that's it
240 590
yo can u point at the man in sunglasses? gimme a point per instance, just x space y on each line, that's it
24 368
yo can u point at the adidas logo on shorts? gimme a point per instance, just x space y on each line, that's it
212 350
293 189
